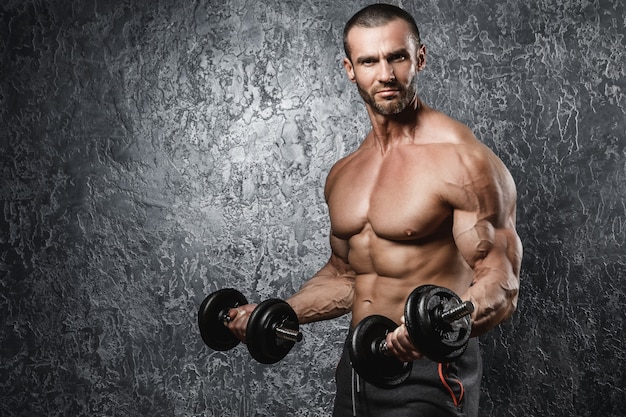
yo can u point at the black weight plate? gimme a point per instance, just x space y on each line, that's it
376 368
436 339
212 329
261 338
412 316
442 338
450 336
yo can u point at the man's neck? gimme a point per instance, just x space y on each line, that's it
389 130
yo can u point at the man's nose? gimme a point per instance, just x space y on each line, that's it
386 72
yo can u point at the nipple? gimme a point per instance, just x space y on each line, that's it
409 232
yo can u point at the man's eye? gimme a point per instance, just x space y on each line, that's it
398 58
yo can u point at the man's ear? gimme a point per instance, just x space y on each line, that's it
347 64
421 58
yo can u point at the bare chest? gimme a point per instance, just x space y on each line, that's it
398 199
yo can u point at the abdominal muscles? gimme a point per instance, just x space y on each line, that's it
387 271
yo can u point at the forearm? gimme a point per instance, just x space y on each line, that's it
495 283
494 295
327 295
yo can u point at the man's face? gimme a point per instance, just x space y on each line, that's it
383 63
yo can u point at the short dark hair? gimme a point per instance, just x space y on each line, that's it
376 15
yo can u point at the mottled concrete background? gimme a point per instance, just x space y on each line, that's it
155 151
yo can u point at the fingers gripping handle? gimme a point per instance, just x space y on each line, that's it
283 331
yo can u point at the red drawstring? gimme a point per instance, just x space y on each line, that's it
444 381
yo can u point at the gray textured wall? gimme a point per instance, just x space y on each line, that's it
155 151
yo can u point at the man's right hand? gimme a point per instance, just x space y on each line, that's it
239 320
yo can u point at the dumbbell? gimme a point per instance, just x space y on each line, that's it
438 324
271 332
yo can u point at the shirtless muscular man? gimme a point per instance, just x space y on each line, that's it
421 201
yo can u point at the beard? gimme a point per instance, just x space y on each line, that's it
385 107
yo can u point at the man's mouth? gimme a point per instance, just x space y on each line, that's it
387 92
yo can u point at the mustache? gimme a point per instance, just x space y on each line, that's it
390 85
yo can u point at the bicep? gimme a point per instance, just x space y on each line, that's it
483 242
484 207
475 238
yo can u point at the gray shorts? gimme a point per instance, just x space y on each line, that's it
432 389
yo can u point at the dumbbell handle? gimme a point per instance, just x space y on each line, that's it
458 312
282 332
285 333
450 316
